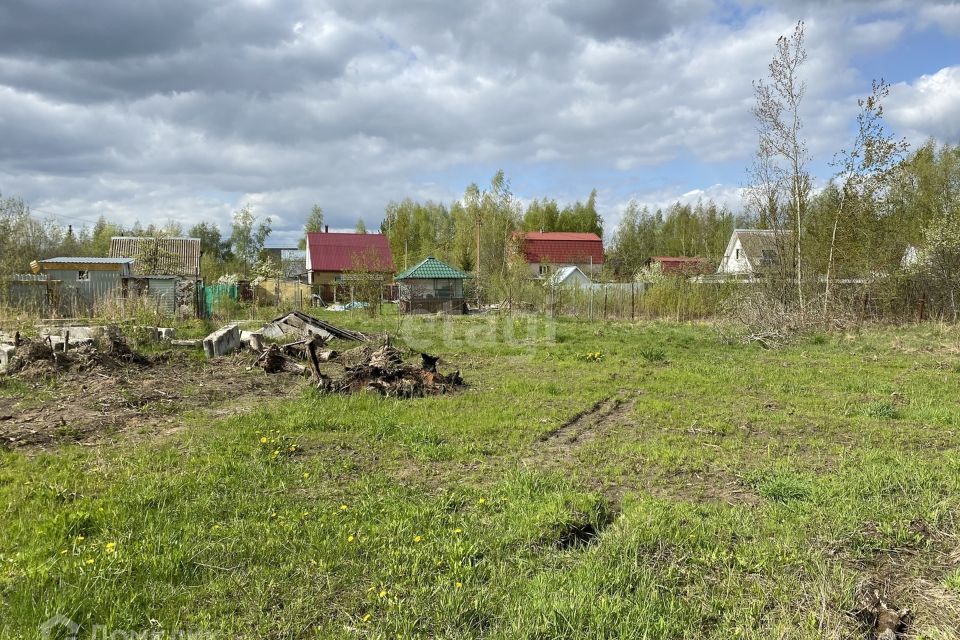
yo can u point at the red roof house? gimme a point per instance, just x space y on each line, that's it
330 256
547 250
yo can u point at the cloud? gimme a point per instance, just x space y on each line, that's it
187 109
928 107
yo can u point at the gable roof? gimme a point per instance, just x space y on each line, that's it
432 268
158 255
571 274
756 242
561 247
347 251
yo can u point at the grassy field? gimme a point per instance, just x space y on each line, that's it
594 481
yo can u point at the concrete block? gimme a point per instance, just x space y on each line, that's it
167 333
7 353
252 340
82 334
222 341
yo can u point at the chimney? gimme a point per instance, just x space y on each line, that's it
326 228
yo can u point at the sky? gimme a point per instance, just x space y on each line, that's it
186 110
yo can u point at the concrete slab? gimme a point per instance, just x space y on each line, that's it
252 340
7 354
167 333
222 341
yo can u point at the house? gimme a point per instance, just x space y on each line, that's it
164 268
158 255
680 265
546 251
432 286
84 282
757 252
569 277
291 262
334 259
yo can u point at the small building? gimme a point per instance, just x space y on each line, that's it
569 277
545 252
290 262
161 264
84 281
757 252
334 259
680 265
432 286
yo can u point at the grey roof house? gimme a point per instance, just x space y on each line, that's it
757 252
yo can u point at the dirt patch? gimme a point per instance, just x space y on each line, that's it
559 446
47 404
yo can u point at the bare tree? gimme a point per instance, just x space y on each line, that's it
782 149
864 168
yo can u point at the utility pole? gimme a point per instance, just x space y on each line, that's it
477 269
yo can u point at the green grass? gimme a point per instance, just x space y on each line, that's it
735 492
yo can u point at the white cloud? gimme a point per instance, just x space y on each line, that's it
928 106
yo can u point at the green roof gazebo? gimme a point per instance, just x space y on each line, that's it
432 286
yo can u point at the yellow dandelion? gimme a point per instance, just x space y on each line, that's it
383 593
481 500
89 561
458 530
459 585
263 440
343 507
305 514
306 475
63 552
366 617
349 538
111 547
417 538
80 538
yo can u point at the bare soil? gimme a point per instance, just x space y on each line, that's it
44 405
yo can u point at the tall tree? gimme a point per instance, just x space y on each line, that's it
865 168
314 224
361 226
782 148
247 237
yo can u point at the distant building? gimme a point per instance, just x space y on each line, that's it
545 252
757 252
159 256
332 259
569 277
84 282
681 265
166 269
291 262
432 286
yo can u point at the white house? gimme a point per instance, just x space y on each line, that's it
754 252
570 276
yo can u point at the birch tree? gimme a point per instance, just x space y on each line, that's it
782 151
865 168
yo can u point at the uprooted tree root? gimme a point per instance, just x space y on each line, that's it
883 620
39 358
385 372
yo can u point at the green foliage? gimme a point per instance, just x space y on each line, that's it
247 237
682 230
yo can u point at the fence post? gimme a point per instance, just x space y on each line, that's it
605 302
633 297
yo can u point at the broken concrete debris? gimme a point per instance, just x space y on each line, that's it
300 324
222 342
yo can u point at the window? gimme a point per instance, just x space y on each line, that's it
738 254
544 269
83 276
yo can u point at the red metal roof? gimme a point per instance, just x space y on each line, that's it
345 251
562 247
